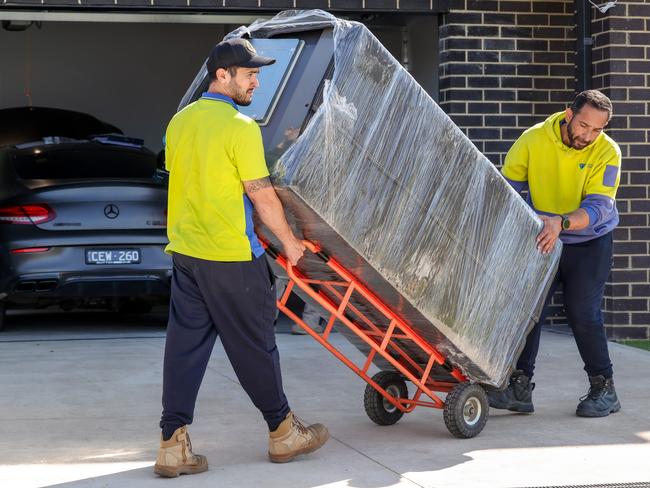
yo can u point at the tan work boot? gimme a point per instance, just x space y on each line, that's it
175 456
292 438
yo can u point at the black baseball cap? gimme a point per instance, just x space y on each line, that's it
235 52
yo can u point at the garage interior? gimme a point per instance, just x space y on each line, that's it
131 69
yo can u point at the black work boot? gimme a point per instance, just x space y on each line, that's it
517 397
601 400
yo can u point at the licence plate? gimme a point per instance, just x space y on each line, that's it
112 256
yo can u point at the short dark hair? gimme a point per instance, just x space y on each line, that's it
231 69
596 99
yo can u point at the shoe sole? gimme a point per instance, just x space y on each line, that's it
518 408
604 413
167 472
285 458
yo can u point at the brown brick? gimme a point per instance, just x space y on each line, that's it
639 205
629 305
641 290
483 108
499 95
550 7
626 24
492 19
522 6
461 69
638 9
468 120
615 318
482 31
499 44
565 71
483 57
631 248
626 332
549 57
453 56
462 43
516 83
458 95
464 18
501 121
550 33
629 276
629 108
566 20
641 234
522 32
532 95
532 19
532 70
632 192
639 262
516 57
638 66
531 45
639 93
483 5
452 31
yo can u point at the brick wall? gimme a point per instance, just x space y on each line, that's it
621 67
506 65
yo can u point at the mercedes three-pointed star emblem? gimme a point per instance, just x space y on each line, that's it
111 211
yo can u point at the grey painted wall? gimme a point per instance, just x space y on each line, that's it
130 75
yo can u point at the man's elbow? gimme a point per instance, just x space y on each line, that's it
263 198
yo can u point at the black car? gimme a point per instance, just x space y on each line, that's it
82 214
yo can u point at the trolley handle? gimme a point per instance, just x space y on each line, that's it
314 248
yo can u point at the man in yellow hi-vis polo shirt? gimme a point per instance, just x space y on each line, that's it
571 170
221 282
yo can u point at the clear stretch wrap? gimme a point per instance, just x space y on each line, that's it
451 245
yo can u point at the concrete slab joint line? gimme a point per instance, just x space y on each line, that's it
644 484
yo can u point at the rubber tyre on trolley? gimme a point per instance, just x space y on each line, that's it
466 410
378 409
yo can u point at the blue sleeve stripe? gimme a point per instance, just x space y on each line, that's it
518 186
609 177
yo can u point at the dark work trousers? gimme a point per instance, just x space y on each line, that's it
583 271
233 300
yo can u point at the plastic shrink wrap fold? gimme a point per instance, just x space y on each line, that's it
388 185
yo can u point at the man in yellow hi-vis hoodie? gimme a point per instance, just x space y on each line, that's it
571 170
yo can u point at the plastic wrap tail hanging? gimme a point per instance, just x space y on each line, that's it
605 7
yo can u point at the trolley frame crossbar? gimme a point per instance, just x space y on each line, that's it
381 342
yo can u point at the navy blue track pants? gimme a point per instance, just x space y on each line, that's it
232 300
583 272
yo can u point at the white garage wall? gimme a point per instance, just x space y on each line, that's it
131 75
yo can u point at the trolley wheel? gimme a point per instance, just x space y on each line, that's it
466 410
378 409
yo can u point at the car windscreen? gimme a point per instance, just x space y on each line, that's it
272 78
83 162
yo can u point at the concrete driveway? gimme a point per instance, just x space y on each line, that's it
80 405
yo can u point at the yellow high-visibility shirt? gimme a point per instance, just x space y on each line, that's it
210 148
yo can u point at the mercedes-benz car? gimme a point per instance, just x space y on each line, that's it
82 214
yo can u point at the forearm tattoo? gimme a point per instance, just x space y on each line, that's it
254 185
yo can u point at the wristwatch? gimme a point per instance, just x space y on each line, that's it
566 223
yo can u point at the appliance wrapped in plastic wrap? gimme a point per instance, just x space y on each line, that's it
387 184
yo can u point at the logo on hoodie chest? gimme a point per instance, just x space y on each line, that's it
584 165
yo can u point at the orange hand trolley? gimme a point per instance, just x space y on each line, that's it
386 398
